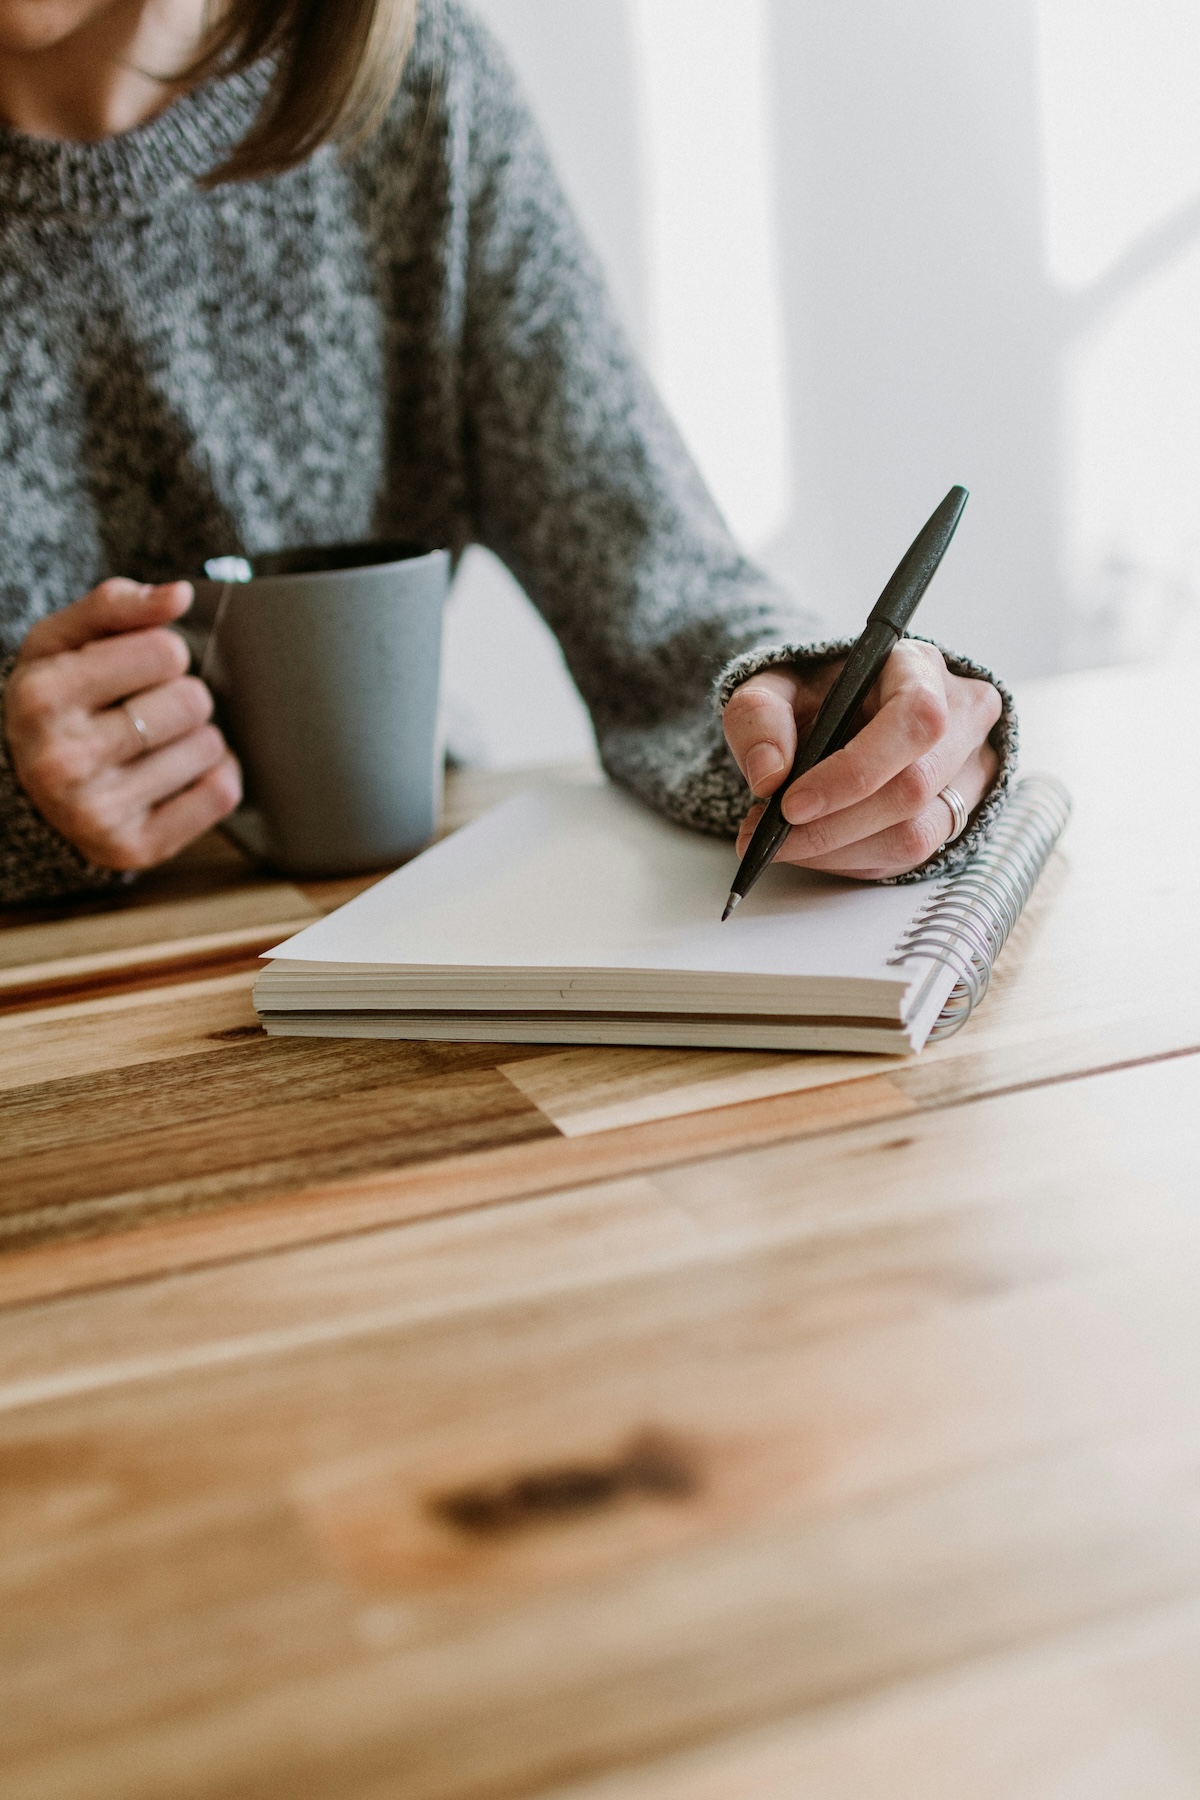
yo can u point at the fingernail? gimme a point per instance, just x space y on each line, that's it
801 806
763 763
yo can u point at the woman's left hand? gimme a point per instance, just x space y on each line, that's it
871 810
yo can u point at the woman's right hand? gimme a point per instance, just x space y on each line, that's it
125 798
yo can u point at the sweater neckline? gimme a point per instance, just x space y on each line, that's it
128 173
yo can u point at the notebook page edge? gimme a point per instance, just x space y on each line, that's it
682 940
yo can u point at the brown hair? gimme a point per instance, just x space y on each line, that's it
338 64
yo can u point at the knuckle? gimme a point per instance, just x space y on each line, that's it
920 659
861 783
38 694
170 649
106 606
209 746
100 815
820 837
196 699
928 711
39 634
113 587
917 785
847 778
989 702
128 849
60 764
916 839
227 785
752 704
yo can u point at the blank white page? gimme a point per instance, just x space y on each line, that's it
587 878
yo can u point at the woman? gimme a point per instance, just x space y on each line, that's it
323 286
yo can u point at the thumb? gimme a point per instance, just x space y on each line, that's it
116 605
760 727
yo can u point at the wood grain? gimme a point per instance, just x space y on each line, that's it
603 1089
1109 1714
44 1045
404 1190
105 1151
97 941
929 1426
399 1195
1064 1152
912 1353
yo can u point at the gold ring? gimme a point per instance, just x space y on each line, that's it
139 725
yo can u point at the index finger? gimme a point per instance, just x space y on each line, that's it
911 719
111 669
115 606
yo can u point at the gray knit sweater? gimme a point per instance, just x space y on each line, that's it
410 344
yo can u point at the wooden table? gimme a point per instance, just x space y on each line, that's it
405 1422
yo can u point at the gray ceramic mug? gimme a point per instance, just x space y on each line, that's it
325 665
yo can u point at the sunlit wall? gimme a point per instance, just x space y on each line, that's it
1120 112
868 251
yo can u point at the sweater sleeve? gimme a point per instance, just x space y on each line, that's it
580 483
36 862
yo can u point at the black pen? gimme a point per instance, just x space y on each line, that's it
864 665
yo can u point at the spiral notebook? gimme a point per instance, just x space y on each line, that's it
574 915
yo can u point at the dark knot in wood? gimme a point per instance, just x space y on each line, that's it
650 1466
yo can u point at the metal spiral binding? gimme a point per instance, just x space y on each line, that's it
967 922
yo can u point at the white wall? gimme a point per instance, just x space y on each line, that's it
711 247
872 249
575 58
916 315
1120 102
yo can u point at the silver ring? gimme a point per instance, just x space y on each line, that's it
139 725
958 808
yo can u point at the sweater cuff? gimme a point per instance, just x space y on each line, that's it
36 862
1002 737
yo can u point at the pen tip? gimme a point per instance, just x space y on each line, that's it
729 906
